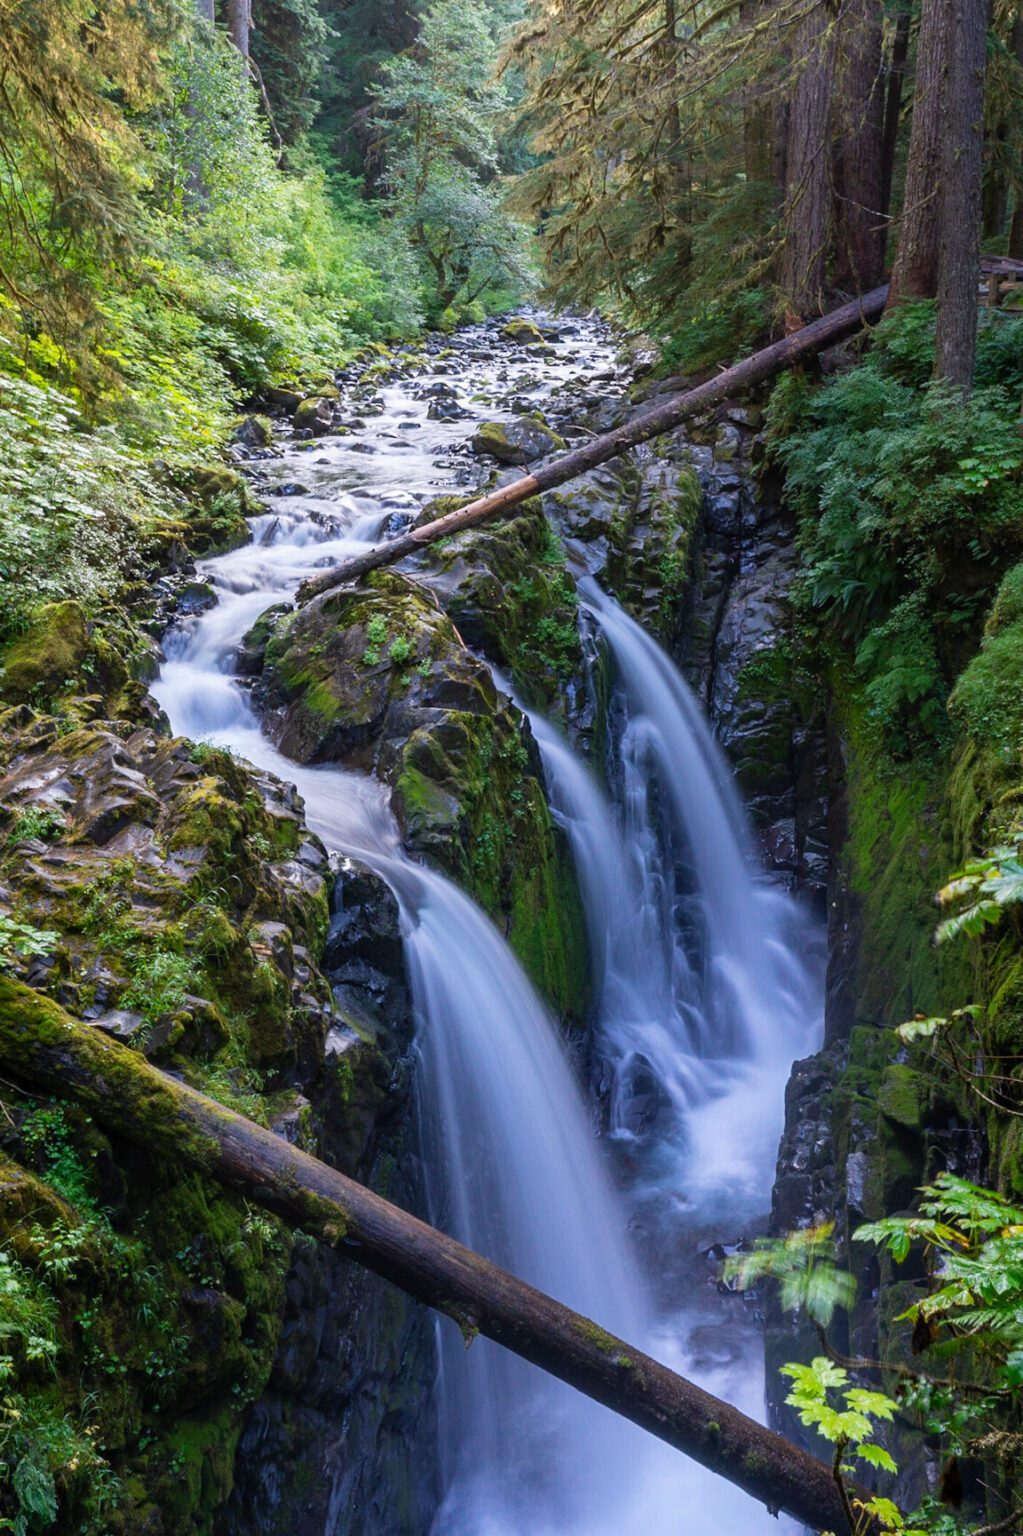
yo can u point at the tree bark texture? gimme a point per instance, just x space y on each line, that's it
42 1046
962 172
807 214
206 10
239 24
915 274
896 79
797 348
1016 226
861 213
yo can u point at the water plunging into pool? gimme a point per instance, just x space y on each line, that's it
703 1002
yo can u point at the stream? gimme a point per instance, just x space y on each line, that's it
704 995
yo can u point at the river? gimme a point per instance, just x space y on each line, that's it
704 996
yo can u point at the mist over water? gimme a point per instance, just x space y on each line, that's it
703 1001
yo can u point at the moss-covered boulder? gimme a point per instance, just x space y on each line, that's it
216 504
520 329
508 590
62 653
638 518
314 414
379 675
516 442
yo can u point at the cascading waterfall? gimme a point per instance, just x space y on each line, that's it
711 986
699 993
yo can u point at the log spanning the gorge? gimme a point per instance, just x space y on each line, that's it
802 344
43 1046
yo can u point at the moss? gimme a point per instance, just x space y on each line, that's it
987 701
508 592
62 652
217 504
521 329
902 1097
35 1030
899 851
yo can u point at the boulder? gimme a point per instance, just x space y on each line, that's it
516 442
521 330
314 414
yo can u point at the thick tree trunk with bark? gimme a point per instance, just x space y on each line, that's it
206 9
861 213
805 343
962 171
896 79
806 216
42 1046
915 274
239 23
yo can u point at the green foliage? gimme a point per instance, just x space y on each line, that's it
436 111
376 634
42 1453
803 1264
982 889
160 982
37 823
73 503
851 1423
19 941
897 488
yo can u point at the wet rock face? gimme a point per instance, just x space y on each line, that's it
519 442
740 650
191 904
509 593
635 522
378 676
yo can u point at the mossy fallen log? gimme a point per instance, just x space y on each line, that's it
797 348
43 1046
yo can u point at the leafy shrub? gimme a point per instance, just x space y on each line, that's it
73 502
910 506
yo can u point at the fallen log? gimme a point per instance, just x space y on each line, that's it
43 1046
802 344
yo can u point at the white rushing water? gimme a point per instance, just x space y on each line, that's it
703 997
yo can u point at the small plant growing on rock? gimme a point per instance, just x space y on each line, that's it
19 941
376 634
36 823
401 650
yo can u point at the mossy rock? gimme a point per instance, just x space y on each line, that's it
61 653
509 592
314 414
521 330
517 442
218 503
378 676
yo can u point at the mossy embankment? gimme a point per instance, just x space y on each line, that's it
380 677
171 896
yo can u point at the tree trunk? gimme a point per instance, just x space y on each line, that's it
42 1046
1016 227
206 10
806 216
915 274
803 344
861 213
239 23
759 119
893 111
962 172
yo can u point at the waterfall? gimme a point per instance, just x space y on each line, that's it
703 1001
514 1169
